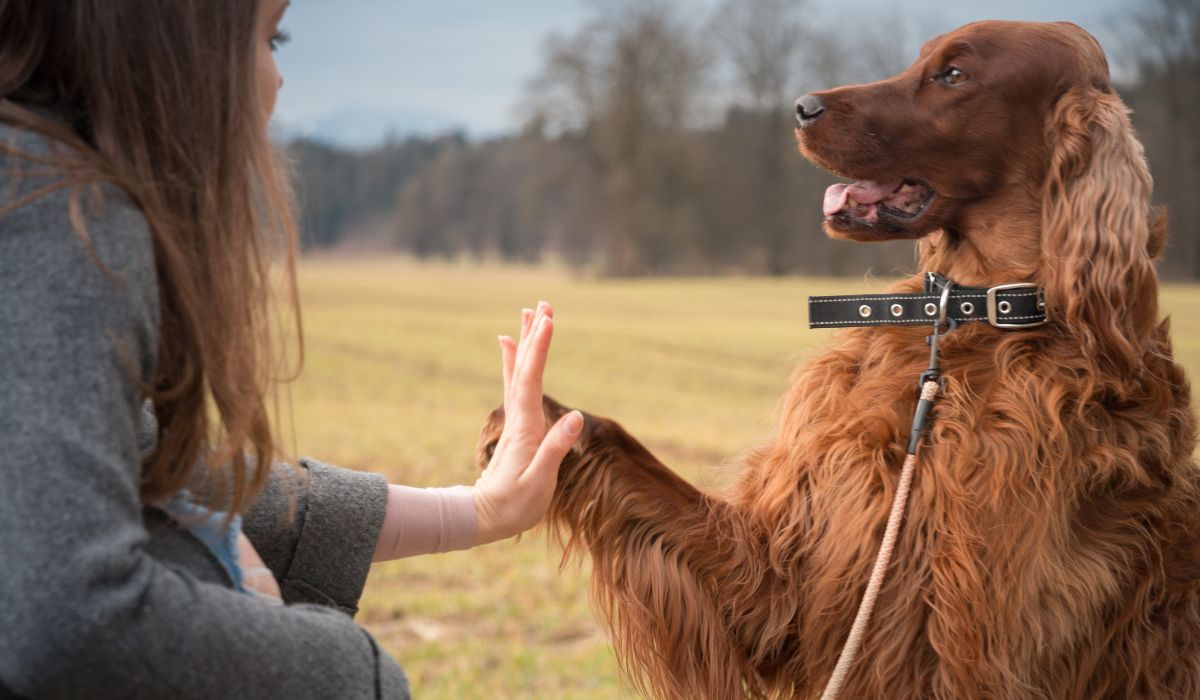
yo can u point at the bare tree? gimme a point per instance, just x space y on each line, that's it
622 90
765 43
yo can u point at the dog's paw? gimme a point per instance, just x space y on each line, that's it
490 435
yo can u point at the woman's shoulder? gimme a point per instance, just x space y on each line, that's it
50 222
80 248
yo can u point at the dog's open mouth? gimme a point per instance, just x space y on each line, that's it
867 201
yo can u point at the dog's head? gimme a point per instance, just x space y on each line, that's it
959 125
1007 136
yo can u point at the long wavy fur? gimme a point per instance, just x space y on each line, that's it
1052 543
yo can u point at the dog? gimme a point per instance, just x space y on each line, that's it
1051 546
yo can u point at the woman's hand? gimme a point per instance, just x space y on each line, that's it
255 574
515 489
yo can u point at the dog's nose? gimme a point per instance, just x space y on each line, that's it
808 108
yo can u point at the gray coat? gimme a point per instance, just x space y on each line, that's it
98 596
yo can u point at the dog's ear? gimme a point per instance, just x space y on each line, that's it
1096 233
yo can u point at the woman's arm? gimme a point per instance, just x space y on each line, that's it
337 516
316 527
87 612
319 527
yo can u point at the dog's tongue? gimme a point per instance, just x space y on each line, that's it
863 192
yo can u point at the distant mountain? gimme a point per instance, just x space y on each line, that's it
361 128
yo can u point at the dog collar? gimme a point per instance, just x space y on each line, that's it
1017 305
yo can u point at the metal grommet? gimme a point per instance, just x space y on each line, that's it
897 310
864 311
1004 307
967 308
1041 304
930 309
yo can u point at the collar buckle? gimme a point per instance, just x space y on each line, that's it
993 311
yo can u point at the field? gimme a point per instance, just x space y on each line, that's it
402 367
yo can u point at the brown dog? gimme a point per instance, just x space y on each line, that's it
1052 543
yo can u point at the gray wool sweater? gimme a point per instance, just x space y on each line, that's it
100 597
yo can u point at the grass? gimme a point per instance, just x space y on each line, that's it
402 367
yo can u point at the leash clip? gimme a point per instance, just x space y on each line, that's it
944 309
944 320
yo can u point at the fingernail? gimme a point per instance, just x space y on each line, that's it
573 423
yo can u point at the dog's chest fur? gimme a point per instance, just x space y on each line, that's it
1028 531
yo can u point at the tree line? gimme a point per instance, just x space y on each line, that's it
658 143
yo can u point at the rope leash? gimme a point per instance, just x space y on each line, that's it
867 606
930 384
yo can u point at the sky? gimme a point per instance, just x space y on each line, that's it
357 71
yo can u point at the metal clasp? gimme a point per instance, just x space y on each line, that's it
992 316
944 304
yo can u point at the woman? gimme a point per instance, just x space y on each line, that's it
141 207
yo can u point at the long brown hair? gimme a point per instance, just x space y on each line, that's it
160 98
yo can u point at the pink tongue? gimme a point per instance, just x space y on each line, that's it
863 192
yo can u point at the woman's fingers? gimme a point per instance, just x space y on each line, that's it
526 396
508 355
522 333
256 576
531 318
526 323
523 364
529 322
541 317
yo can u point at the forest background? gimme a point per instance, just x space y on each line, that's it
657 140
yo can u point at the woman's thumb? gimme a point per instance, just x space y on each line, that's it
557 442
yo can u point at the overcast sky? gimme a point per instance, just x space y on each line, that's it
356 70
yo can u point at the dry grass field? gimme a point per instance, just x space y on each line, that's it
402 367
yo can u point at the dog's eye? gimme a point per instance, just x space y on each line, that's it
953 75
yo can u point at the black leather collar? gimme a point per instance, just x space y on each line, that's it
1019 305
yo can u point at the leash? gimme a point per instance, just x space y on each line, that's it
1019 305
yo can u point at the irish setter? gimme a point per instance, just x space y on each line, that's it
1051 547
